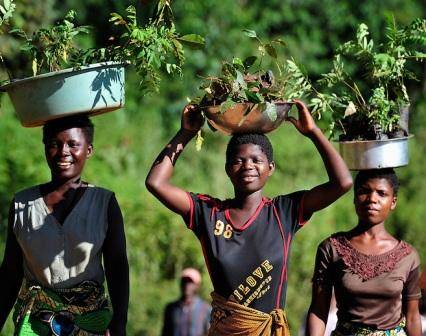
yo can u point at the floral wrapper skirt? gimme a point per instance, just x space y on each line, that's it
352 329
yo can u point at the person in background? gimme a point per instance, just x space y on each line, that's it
190 315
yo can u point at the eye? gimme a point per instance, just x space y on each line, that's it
362 191
73 144
382 193
236 161
52 144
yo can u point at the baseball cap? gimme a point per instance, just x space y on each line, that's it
191 273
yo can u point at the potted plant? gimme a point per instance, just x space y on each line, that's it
369 117
247 96
92 81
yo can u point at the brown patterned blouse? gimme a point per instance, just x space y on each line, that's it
369 288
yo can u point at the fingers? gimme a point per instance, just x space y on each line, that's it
293 120
191 107
301 105
192 118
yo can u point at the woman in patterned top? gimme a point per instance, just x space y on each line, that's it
375 276
246 239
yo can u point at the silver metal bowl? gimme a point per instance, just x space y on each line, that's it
375 154
234 120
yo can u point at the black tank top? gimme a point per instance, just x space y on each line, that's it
248 265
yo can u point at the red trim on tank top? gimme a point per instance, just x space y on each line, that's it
191 211
250 220
300 219
203 247
286 245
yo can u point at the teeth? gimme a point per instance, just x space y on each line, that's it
64 164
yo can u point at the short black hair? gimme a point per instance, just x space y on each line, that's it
385 173
250 138
75 121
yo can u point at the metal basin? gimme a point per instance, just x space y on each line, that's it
234 121
93 89
375 154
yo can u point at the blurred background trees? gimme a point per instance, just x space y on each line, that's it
127 141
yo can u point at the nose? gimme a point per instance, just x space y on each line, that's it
372 197
64 150
248 164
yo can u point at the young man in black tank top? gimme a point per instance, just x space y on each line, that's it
246 239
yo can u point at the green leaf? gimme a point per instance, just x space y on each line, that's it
250 33
199 141
238 64
249 61
228 69
270 49
240 80
34 66
279 41
168 68
226 105
253 97
192 40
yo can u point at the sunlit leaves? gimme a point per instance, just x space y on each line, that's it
244 80
250 33
192 40
6 11
151 48
384 67
51 48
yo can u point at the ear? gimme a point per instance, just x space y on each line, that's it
89 151
271 168
394 201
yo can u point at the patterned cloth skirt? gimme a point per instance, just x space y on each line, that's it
79 311
354 329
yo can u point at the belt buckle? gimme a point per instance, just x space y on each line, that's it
62 323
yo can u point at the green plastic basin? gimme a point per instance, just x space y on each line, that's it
93 89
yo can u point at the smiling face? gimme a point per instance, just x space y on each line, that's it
374 200
248 168
66 153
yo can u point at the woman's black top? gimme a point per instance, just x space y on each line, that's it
248 265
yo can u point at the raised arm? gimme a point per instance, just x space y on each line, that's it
11 271
340 180
116 269
158 179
